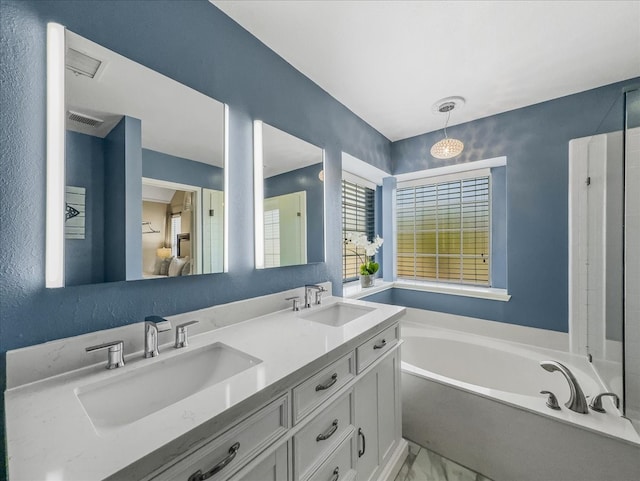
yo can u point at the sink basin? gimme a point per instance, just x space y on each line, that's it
135 394
337 314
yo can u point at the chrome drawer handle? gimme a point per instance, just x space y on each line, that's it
200 476
380 345
329 432
329 383
336 474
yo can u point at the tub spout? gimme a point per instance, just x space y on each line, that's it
577 402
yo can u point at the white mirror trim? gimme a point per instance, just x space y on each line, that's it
55 210
225 221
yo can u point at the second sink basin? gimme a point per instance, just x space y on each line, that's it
337 314
133 395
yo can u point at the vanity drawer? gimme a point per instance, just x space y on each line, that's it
375 347
311 393
340 465
318 438
233 449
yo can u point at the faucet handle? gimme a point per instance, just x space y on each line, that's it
182 335
115 352
161 324
552 400
596 402
296 302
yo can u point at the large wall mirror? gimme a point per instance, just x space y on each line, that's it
144 171
289 195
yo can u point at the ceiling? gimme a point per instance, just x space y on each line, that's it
176 119
282 152
390 61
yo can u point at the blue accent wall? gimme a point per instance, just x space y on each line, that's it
304 179
535 140
84 258
161 166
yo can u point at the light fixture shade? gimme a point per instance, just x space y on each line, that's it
163 252
447 148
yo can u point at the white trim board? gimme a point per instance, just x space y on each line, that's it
452 169
360 172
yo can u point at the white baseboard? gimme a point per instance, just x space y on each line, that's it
394 465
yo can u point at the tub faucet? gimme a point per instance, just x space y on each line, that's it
577 402
152 326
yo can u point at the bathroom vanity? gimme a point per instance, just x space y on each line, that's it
285 395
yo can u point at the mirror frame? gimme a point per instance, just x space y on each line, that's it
258 197
55 162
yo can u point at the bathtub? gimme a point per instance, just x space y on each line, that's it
476 400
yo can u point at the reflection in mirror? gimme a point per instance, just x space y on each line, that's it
289 184
144 171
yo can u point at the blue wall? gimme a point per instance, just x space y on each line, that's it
305 179
84 258
535 140
157 165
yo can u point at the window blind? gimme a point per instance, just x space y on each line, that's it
357 216
443 231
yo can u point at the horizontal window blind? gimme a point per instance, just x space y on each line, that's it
443 231
357 216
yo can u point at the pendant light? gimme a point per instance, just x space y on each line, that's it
447 148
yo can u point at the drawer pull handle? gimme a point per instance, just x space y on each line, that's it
329 432
364 443
200 476
380 345
329 383
336 474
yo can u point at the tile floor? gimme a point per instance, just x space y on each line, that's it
424 465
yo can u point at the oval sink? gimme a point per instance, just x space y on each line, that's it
133 395
337 314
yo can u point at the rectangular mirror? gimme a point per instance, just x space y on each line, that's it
144 171
289 196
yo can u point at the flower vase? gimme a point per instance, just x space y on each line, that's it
367 280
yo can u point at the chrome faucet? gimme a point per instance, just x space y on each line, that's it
152 326
577 401
596 402
307 294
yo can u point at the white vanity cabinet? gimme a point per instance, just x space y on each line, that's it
343 424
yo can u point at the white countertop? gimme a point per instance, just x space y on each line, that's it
49 436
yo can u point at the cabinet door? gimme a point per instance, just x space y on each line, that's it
388 406
366 405
274 468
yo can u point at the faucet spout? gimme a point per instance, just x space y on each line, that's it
153 325
577 401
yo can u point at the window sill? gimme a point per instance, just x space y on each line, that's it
353 290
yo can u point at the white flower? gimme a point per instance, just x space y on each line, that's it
359 240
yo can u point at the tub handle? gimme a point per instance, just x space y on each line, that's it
364 443
329 432
552 400
329 383
380 345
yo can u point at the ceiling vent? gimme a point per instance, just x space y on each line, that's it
81 64
84 119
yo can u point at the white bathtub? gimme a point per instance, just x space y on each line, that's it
477 401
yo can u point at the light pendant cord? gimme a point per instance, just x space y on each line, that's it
446 123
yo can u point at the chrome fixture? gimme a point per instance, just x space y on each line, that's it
596 402
152 326
447 147
552 400
307 294
115 353
296 302
577 402
182 335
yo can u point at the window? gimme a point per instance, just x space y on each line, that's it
272 238
176 228
357 216
443 230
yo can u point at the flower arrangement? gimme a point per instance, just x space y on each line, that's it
359 240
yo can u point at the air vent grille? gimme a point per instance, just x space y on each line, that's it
81 63
84 119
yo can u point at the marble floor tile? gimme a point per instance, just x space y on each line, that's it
424 465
